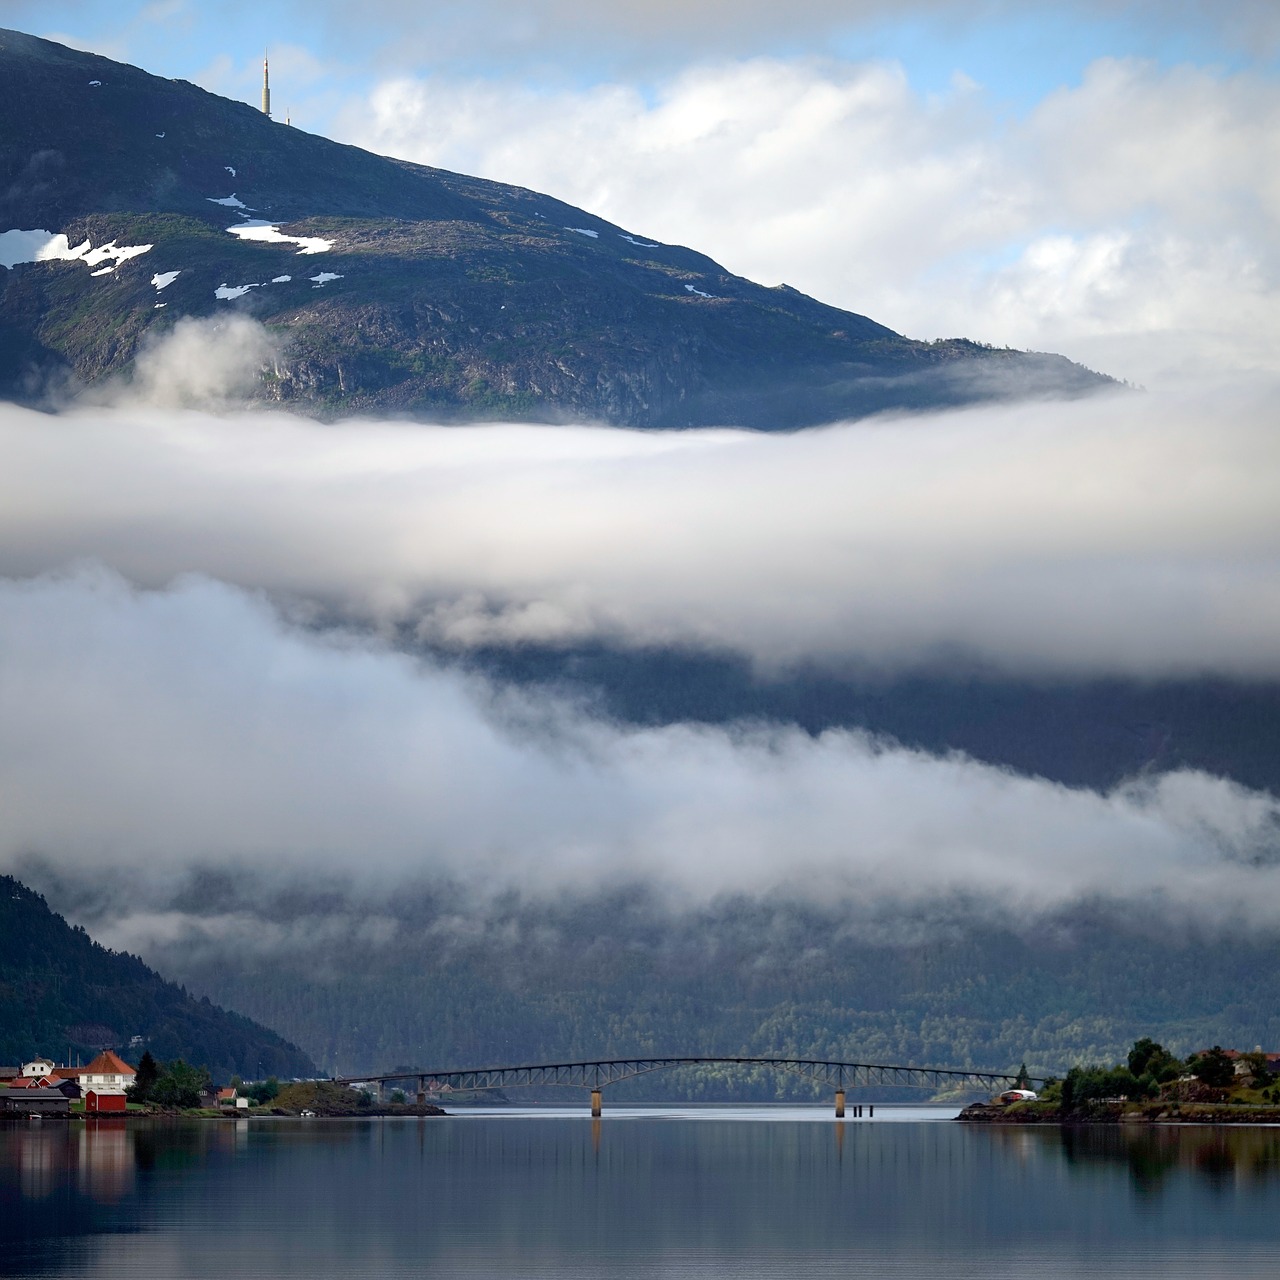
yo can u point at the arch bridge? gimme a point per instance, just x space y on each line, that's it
597 1074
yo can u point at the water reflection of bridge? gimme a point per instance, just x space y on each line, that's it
596 1075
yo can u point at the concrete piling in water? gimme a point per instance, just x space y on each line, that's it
839 1104
597 1102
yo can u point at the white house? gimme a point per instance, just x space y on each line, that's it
37 1068
107 1073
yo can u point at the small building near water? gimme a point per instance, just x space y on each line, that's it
34 1102
68 1088
96 1100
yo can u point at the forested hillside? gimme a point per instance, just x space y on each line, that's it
621 976
1077 731
61 993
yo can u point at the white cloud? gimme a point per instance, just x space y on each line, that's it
650 32
1132 535
1128 220
199 362
193 728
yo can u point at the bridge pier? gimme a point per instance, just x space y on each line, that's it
597 1103
839 1104
422 1091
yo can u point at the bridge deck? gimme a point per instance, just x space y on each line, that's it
598 1073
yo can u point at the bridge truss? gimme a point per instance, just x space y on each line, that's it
597 1075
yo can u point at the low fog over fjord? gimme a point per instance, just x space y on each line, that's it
1127 535
222 682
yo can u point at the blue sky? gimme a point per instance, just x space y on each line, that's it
1018 52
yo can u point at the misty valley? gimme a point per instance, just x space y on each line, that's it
526 751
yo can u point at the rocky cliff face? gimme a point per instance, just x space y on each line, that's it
404 289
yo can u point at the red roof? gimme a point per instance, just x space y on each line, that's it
1233 1054
108 1064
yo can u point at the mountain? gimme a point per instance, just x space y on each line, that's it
60 992
437 294
448 982
1084 732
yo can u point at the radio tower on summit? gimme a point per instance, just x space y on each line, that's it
266 88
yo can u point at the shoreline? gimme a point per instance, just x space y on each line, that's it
427 1111
1165 1113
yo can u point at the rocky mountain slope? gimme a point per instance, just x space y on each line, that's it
403 289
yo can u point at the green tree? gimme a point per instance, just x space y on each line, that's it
1259 1067
1148 1058
1214 1068
1023 1079
180 1085
1084 1085
144 1080
264 1091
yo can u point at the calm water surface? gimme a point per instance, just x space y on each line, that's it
752 1192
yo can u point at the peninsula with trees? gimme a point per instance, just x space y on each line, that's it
1212 1086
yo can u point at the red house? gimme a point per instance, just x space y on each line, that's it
95 1101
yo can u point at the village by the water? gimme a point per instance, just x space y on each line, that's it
110 1086
1216 1085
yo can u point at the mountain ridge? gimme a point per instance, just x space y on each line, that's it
60 990
438 295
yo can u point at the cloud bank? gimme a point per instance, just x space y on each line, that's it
660 32
160 731
1127 220
1130 536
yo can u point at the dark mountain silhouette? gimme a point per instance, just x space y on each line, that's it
453 296
60 993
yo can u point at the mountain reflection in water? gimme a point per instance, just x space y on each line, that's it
536 1195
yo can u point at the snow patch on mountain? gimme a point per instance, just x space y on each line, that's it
44 246
163 279
270 233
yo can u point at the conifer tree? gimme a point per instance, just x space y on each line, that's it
145 1079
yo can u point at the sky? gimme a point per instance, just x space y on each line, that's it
203 608
1096 179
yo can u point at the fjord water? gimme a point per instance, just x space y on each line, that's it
750 1193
